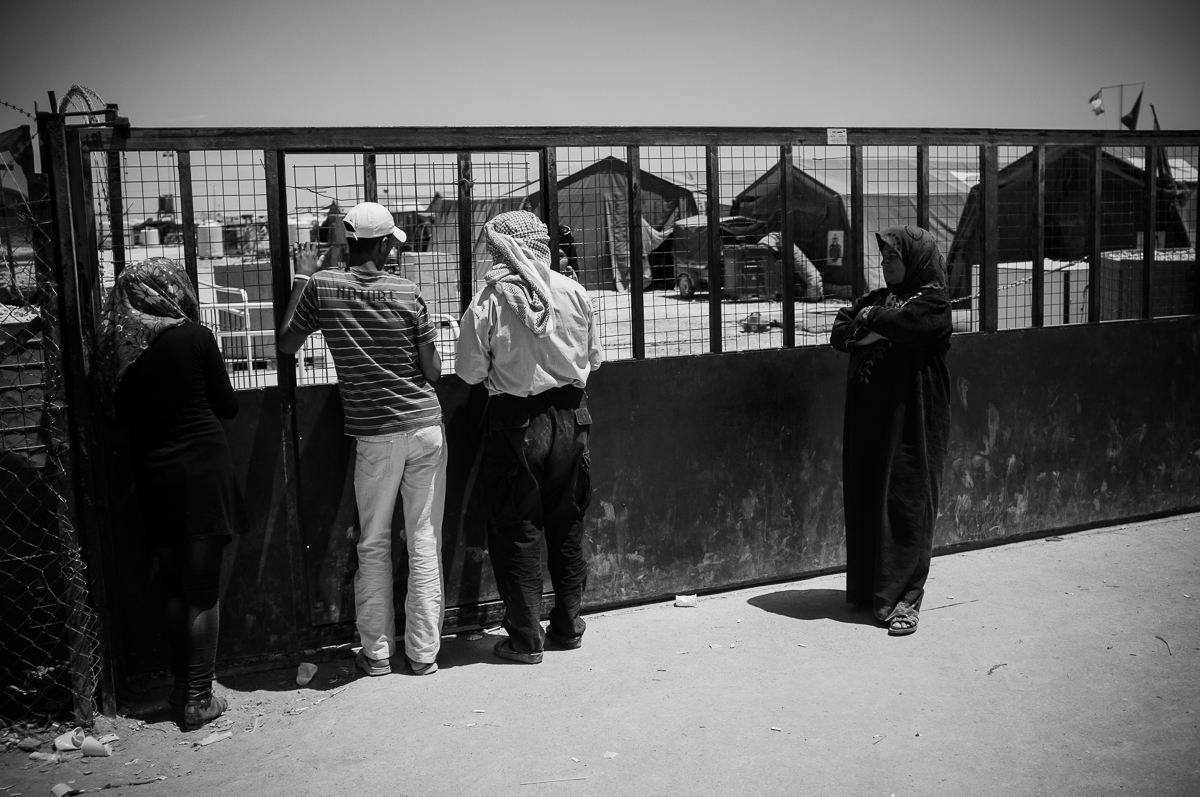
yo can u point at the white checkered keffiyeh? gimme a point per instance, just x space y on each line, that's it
519 244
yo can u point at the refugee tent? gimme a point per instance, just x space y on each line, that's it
592 202
821 200
819 219
1067 203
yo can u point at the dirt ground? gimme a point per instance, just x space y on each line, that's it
1064 666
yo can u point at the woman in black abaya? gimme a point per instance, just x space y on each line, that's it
896 424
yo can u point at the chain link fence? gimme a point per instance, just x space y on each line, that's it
49 664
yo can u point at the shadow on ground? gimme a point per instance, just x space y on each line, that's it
812 604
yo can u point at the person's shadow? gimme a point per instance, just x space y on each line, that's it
813 604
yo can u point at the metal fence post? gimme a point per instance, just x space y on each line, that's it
1149 224
466 240
275 163
637 309
71 327
1039 236
187 209
370 183
1095 181
923 186
549 180
785 246
989 267
716 267
858 278
116 211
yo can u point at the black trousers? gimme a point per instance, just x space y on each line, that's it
191 578
538 483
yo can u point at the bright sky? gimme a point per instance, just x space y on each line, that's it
927 63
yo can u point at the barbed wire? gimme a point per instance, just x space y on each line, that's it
19 110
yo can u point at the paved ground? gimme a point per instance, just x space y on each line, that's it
1058 667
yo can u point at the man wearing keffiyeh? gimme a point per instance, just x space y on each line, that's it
529 336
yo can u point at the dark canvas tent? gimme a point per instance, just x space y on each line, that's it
592 202
1066 214
819 218
821 195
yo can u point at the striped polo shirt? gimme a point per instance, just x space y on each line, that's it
372 322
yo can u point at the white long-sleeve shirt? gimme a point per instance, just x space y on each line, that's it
497 349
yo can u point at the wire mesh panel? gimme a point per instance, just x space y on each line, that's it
1067 216
502 182
321 188
50 663
150 219
889 200
954 194
674 249
421 191
820 206
1175 285
592 202
751 254
1018 228
1123 235
233 261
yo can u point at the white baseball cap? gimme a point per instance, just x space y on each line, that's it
371 220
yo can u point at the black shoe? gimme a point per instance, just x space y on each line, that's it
200 711
564 642
505 650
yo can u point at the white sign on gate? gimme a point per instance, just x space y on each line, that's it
835 136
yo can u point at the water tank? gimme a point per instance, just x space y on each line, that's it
149 236
210 239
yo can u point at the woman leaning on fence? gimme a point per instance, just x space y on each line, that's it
896 424
165 378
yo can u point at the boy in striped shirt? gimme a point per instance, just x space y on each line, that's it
379 333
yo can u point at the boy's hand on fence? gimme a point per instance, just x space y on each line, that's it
307 259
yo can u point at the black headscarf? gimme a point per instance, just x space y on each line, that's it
924 266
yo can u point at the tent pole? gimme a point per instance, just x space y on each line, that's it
785 246
1149 224
1039 236
633 206
715 266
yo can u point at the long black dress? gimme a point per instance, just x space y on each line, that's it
171 398
894 441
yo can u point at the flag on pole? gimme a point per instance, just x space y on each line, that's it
1130 119
1097 102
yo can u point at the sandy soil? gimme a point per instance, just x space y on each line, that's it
1059 667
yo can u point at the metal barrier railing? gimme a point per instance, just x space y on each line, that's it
994 199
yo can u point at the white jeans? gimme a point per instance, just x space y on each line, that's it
413 465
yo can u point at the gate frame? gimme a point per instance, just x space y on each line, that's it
67 151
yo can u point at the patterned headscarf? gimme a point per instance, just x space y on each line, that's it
923 263
519 244
148 298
